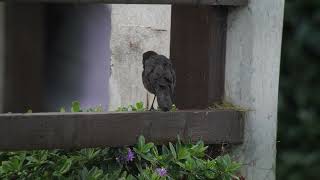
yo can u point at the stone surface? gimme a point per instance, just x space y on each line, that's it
252 78
135 29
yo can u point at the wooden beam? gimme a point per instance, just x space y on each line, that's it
81 130
198 46
193 2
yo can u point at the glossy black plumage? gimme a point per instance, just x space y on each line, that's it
159 78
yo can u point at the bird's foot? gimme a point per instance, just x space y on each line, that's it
152 109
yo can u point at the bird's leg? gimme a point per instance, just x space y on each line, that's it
152 108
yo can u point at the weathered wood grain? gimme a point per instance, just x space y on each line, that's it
81 130
198 46
25 53
194 2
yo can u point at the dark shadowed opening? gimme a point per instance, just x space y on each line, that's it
57 54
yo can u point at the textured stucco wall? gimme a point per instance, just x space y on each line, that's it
1 53
252 77
135 29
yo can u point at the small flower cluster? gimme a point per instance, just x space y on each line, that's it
130 155
162 172
127 157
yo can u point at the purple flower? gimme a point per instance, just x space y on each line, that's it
162 171
130 155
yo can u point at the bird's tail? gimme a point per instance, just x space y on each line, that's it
164 99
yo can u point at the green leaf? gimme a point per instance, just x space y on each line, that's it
198 150
173 151
62 110
90 153
139 106
165 150
99 108
210 174
173 108
14 164
122 109
146 148
183 153
181 164
141 142
155 151
75 107
63 167
93 174
133 108
189 164
147 157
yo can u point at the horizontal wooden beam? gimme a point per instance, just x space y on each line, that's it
193 2
82 130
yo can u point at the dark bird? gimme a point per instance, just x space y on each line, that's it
159 78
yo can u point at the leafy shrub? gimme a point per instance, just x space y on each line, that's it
299 99
140 107
137 107
144 161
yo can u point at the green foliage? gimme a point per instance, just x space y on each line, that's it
299 98
148 162
76 107
185 161
149 174
174 108
138 107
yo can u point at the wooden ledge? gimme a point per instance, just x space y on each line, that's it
191 2
81 130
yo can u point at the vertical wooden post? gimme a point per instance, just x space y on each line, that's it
25 44
2 52
198 37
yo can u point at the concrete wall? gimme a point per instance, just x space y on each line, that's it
135 29
252 77
2 55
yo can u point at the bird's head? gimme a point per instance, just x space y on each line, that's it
148 54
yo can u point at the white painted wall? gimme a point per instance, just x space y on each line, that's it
252 77
135 29
2 51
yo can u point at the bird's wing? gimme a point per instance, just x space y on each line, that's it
166 80
173 85
168 77
159 72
